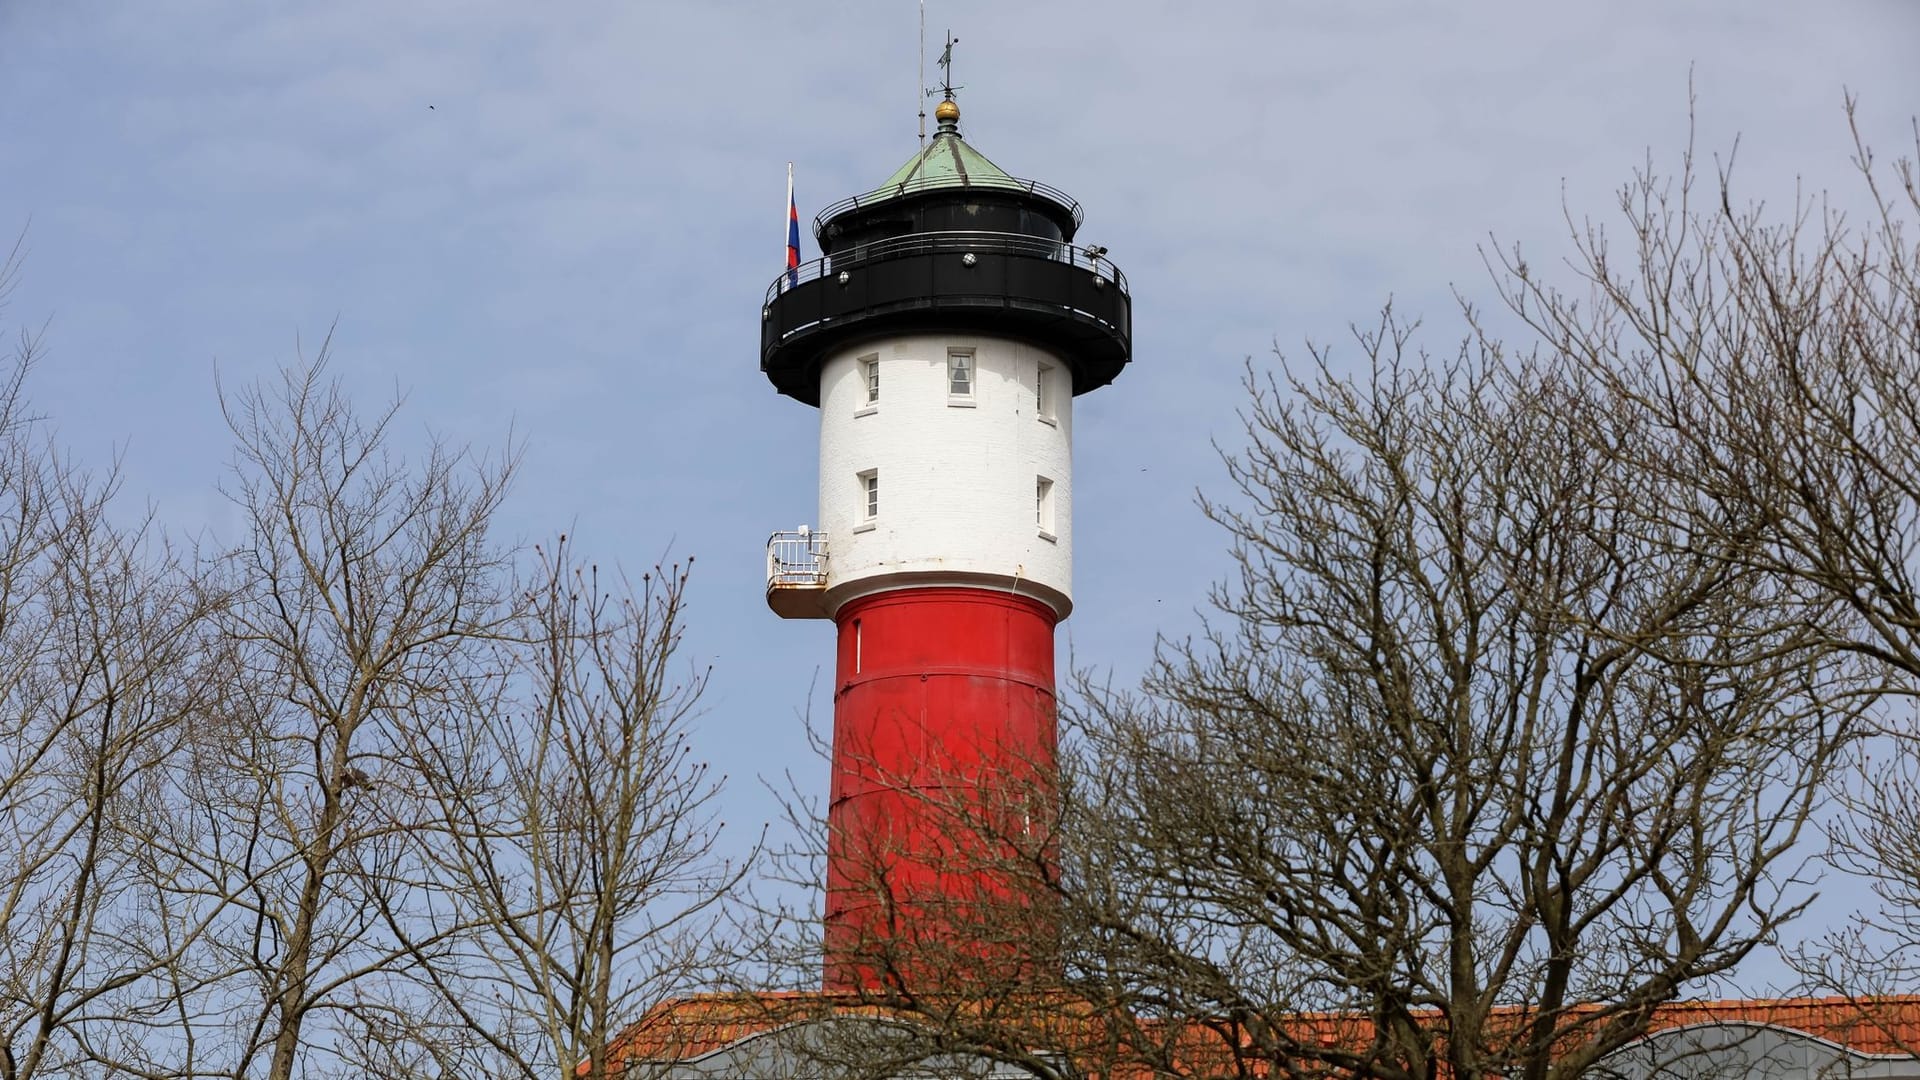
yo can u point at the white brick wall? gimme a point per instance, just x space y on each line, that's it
956 483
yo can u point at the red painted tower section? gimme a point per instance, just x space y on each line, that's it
943 770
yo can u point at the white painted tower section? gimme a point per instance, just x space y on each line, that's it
926 480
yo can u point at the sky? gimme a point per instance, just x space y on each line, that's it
554 223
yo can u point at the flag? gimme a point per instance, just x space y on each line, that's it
793 233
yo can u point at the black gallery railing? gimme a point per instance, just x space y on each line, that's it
945 184
1058 295
956 243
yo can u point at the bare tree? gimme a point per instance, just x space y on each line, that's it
581 832
362 595
1774 358
346 796
101 634
1481 760
1481 754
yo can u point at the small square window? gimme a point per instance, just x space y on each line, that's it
870 368
960 373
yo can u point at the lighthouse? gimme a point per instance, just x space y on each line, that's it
943 336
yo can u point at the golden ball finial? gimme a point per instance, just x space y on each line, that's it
946 112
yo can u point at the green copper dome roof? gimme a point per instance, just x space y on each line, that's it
948 163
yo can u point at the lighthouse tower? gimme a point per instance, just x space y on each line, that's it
943 335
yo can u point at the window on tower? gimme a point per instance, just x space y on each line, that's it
869 496
870 370
1043 392
960 376
1043 507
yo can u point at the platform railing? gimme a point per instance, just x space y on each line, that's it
962 243
941 183
797 559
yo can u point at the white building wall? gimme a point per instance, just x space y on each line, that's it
956 476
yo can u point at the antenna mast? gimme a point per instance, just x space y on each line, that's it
920 89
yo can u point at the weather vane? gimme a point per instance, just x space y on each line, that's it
946 87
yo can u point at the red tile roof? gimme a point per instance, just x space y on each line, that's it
683 1028
1882 1025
